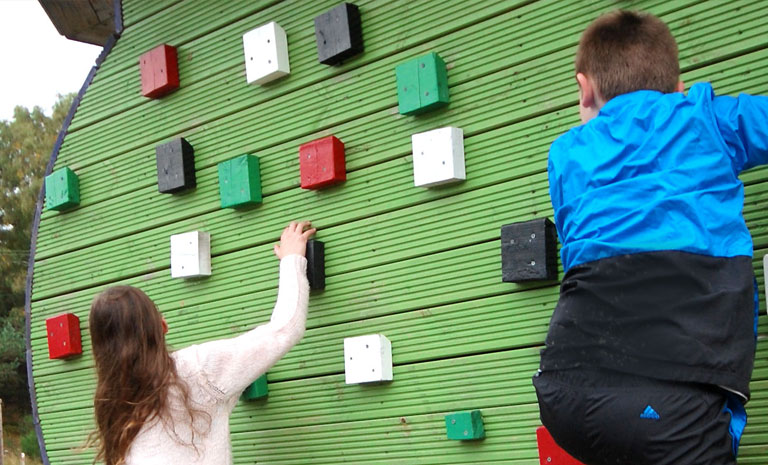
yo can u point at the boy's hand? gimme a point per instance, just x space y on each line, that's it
294 239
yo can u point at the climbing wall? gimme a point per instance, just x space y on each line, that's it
420 266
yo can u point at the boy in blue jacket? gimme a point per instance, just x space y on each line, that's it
651 346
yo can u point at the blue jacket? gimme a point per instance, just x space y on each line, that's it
648 207
657 172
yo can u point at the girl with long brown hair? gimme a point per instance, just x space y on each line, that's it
153 406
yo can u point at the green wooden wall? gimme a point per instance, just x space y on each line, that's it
421 266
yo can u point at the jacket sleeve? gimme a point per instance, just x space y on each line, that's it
743 123
555 189
228 366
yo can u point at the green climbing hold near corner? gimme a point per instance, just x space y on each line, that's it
422 84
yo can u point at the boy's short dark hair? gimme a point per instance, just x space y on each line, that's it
625 51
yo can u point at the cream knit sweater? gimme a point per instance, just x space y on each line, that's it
217 372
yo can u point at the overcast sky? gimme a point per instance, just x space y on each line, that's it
36 63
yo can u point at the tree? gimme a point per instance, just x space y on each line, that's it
26 143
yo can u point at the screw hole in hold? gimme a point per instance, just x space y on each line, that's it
443 162
251 58
426 93
533 262
453 422
61 325
533 235
268 41
423 65
405 89
466 433
366 346
269 61
512 241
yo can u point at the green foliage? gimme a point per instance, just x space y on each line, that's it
11 350
29 444
19 436
25 147
26 143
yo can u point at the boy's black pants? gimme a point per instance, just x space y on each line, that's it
603 417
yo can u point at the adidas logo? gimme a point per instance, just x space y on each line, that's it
650 414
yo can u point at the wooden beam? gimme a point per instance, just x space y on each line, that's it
90 21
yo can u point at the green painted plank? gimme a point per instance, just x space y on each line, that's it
396 176
196 307
214 35
165 209
218 55
476 61
404 398
503 35
138 10
379 249
385 289
149 175
333 90
469 64
499 379
419 440
389 270
498 323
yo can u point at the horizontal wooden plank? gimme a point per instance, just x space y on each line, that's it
115 209
534 40
225 59
363 294
165 209
196 314
290 397
500 386
379 263
497 323
171 21
510 436
477 63
218 34
375 190
419 265
138 10
152 254
218 55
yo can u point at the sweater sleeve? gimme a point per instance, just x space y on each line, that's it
228 366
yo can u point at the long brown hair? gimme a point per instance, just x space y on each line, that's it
135 371
625 51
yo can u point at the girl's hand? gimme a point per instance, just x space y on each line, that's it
294 239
